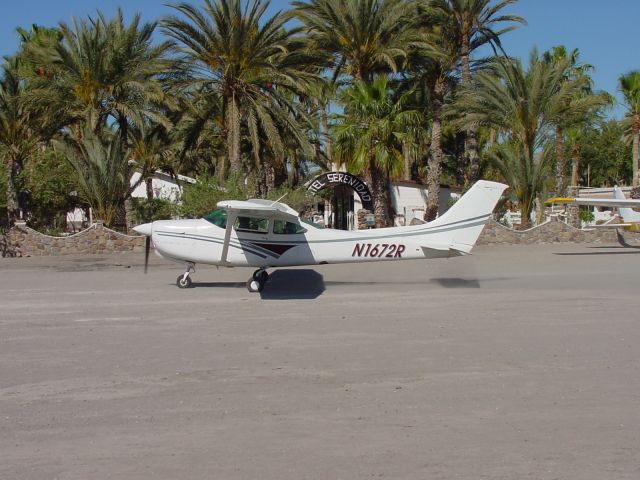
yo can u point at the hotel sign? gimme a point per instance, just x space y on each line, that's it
332 179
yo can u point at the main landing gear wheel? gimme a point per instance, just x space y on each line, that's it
183 282
256 283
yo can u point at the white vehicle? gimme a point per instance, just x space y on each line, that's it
266 234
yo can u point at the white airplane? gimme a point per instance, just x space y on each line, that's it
625 206
265 234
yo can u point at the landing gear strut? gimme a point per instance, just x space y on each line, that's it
256 283
184 280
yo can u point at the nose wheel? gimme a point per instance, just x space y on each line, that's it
184 280
256 283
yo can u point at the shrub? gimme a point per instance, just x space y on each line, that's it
144 210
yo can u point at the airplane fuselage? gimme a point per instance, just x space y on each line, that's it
199 241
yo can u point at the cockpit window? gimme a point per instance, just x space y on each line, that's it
282 227
252 224
218 218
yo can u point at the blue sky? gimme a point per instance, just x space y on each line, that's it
606 33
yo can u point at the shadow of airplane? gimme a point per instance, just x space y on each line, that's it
219 285
305 284
456 282
586 254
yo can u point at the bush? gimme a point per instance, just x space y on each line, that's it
48 178
144 210
201 198
587 216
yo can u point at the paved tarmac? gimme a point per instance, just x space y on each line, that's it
519 362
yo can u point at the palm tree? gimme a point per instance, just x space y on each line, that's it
358 38
152 149
19 128
103 71
525 171
103 171
369 137
435 67
575 105
519 105
630 87
472 24
249 62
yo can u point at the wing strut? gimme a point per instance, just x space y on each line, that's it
231 219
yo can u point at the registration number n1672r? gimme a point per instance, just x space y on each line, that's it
378 250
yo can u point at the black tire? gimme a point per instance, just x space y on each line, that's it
183 282
264 277
254 285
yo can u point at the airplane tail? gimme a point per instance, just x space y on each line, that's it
628 215
460 227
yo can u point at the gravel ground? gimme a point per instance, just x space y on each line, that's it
517 362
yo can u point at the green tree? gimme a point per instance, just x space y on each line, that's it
369 136
472 24
604 155
571 107
358 38
102 71
630 87
152 149
518 104
19 128
49 179
434 68
103 171
249 62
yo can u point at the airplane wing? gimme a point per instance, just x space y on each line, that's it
598 202
260 208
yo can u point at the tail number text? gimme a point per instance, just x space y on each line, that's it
378 250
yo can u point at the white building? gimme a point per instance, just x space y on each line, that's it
164 186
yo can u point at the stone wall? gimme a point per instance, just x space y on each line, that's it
22 241
551 232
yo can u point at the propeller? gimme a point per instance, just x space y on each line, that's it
145 229
147 247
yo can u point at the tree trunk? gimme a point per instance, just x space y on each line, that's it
636 147
560 162
435 160
380 191
13 209
124 132
328 142
149 186
525 215
575 165
406 154
233 135
472 131
460 147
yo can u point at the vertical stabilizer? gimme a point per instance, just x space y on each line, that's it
467 217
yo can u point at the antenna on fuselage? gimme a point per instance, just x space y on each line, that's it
278 200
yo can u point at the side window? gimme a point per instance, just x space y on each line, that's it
281 227
252 224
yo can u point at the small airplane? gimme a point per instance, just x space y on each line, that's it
630 218
266 234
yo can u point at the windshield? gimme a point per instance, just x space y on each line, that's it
311 224
218 218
